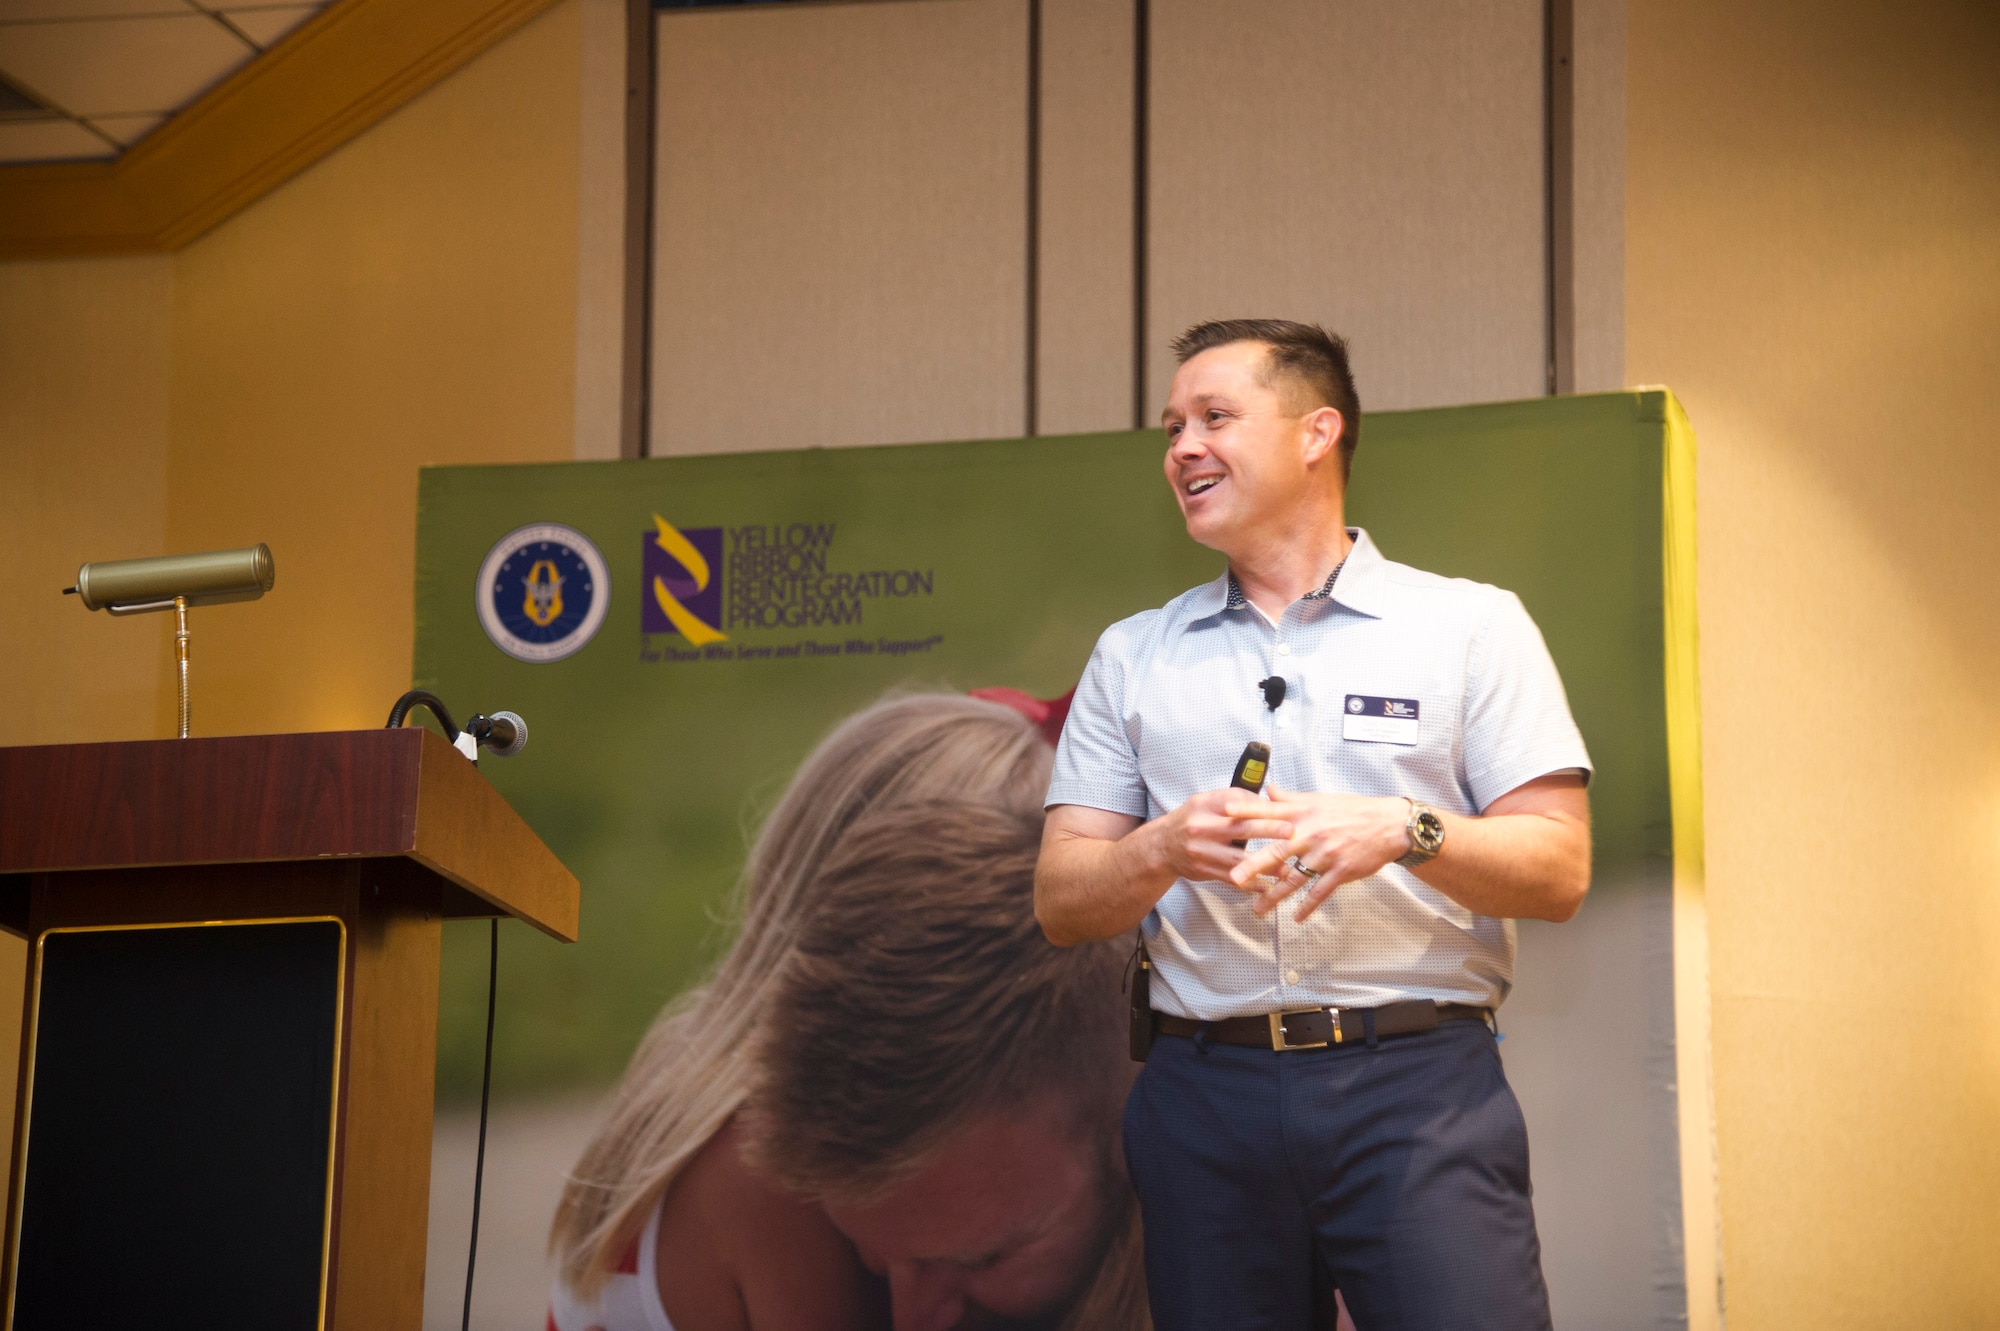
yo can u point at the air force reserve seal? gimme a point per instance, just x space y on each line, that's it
543 592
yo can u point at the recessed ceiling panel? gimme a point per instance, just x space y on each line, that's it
120 66
127 130
49 141
266 25
12 11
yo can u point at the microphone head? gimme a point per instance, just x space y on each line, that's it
1274 691
509 734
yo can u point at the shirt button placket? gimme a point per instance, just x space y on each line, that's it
1281 721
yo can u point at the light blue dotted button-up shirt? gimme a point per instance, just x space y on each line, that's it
1398 682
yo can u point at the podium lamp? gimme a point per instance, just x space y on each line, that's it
176 582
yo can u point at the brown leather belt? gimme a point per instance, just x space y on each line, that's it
1320 1027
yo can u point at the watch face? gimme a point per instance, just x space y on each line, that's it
1430 832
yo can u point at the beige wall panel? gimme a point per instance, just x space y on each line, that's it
841 225
1814 195
1375 167
600 229
1597 159
1085 280
411 299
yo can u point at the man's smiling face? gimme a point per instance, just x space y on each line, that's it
1000 1229
1235 448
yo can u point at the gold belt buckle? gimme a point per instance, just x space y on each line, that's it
1280 1040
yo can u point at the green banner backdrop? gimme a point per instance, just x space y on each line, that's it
748 602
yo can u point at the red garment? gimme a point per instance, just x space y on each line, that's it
1048 714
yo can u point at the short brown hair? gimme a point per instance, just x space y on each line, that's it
1307 354
922 994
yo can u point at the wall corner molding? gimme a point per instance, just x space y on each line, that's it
340 73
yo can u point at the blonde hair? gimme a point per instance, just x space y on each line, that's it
921 995
692 1071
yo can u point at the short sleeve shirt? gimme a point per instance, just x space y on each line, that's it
1398 683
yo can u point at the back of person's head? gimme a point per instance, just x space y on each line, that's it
920 995
691 1072
1303 358
917 747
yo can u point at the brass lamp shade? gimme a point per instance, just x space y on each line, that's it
132 586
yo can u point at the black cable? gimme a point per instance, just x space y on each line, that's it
429 701
485 1098
397 715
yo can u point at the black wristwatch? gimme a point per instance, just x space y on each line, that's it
1426 832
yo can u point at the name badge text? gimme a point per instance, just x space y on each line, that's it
1381 720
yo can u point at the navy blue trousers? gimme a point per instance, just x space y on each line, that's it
1400 1172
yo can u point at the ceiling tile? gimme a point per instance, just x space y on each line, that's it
17 105
14 10
49 140
120 66
265 26
128 130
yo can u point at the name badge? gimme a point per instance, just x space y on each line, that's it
1380 720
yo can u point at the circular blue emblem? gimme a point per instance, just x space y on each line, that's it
542 592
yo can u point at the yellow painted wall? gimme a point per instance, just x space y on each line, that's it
1813 264
409 300
84 362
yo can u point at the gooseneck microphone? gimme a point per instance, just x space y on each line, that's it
431 703
505 733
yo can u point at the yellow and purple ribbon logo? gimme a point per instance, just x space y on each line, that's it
683 572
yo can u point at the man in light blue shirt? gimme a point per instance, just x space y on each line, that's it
1327 1103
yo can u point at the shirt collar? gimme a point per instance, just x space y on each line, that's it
1356 582
1364 577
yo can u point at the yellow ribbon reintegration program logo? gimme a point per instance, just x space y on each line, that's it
681 548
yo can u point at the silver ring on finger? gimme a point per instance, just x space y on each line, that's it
1311 877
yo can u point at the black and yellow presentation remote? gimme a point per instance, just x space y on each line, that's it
1251 769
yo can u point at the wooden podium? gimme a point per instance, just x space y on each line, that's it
224 1107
